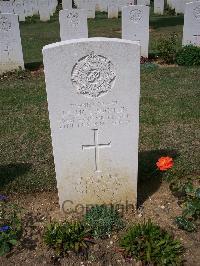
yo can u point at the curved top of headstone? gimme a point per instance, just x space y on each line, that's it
88 40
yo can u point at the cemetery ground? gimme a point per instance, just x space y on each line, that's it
169 126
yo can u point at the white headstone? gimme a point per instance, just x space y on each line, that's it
93 88
6 7
35 7
191 29
28 7
11 56
159 7
89 5
112 9
104 5
123 3
98 5
143 2
18 6
135 26
67 4
44 10
73 24
52 6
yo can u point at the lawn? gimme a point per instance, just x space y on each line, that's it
169 124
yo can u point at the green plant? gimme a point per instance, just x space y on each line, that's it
189 199
10 225
167 48
185 224
148 243
188 55
102 220
63 237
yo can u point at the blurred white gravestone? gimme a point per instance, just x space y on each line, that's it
89 5
28 8
35 7
67 4
73 24
159 7
191 29
6 7
93 90
112 9
11 56
98 4
135 26
123 3
104 5
18 6
44 10
143 2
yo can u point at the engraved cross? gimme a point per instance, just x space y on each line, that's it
96 146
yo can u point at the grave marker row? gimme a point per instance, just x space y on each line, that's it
28 8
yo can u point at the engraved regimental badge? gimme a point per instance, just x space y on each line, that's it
135 15
93 75
73 18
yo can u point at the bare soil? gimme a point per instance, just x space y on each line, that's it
41 208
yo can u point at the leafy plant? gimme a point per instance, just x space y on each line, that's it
189 198
148 243
10 225
103 220
188 55
167 48
63 237
185 224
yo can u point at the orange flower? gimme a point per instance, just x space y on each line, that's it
165 163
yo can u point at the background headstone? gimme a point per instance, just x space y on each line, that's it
143 2
44 10
191 29
159 7
28 7
89 5
18 6
11 56
73 24
135 26
104 5
123 3
67 4
112 9
93 88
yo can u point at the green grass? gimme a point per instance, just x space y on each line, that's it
169 110
169 124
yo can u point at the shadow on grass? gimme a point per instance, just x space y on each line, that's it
10 171
160 22
33 65
149 179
